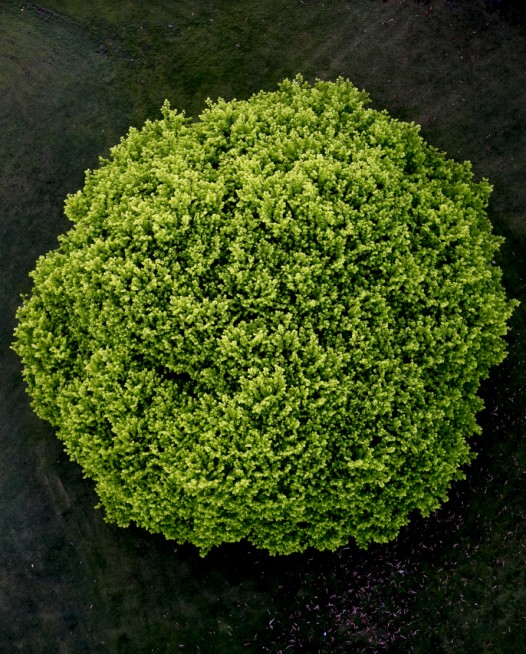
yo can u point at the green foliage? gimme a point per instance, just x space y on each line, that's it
270 323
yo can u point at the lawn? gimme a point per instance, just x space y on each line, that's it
74 76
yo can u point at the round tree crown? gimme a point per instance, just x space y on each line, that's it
270 323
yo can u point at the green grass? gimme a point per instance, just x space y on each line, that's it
74 76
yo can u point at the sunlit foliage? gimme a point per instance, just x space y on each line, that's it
270 323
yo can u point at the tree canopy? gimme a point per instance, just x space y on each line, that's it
269 323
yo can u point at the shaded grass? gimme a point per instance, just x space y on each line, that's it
74 76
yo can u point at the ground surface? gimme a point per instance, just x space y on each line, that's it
74 75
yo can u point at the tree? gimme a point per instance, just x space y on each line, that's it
270 323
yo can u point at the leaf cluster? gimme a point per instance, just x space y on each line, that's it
269 323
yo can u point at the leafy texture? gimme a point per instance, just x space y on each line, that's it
270 323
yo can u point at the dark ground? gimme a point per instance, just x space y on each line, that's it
74 75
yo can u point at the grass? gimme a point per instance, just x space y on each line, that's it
74 76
